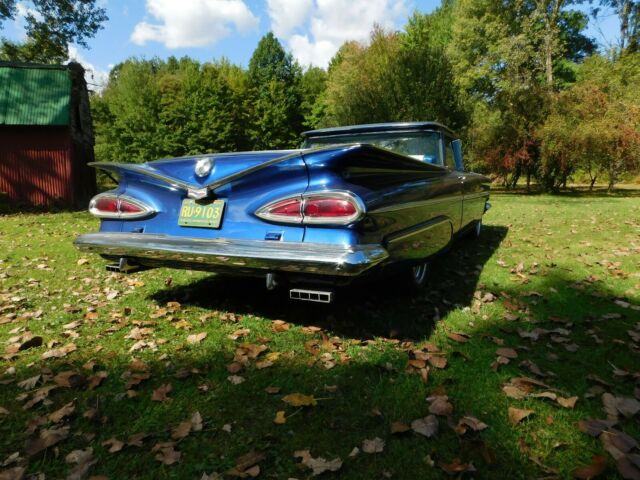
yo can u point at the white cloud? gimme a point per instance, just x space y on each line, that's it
193 23
96 78
331 23
287 15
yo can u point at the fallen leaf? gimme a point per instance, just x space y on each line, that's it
507 353
235 379
30 343
96 379
459 337
595 469
567 402
83 460
427 426
114 445
280 418
300 400
318 465
196 338
166 455
161 393
399 427
45 439
375 445
456 467
69 379
516 415
595 427
59 352
470 422
246 465
194 424
61 413
440 405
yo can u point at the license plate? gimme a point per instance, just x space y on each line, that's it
199 214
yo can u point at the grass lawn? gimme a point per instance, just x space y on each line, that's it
553 281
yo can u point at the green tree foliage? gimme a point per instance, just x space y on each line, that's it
51 26
397 77
595 124
275 96
152 109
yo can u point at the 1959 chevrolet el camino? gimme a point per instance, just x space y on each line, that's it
354 202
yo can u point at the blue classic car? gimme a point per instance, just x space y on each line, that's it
353 203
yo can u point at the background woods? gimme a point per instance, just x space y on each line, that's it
527 89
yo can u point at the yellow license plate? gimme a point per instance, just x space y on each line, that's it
198 214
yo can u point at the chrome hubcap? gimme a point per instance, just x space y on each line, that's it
419 273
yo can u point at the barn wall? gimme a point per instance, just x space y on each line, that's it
36 165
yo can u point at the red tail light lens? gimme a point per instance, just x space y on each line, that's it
109 205
130 207
329 208
106 204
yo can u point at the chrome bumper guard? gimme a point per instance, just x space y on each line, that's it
209 254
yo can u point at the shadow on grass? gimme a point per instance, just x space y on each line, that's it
365 396
380 308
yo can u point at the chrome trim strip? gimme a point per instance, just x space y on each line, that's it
420 203
262 255
471 196
174 182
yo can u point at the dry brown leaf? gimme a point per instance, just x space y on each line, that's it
459 337
45 439
300 400
280 419
512 391
29 383
61 413
470 422
516 415
595 427
427 426
399 427
437 361
279 326
596 468
567 402
194 424
317 465
96 379
375 445
247 465
114 445
456 467
30 343
236 379
196 338
166 455
4 411
14 473
69 379
161 394
507 353
617 443
83 460
60 352
440 405
629 466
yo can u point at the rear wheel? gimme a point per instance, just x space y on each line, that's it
477 229
417 276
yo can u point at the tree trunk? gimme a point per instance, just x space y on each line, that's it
593 182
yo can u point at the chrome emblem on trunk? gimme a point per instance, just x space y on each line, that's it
203 167
198 193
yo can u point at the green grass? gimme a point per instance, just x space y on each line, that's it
578 256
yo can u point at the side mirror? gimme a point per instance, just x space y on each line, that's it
456 145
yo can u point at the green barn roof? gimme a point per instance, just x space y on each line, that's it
34 95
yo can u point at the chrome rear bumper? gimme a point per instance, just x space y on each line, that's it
229 254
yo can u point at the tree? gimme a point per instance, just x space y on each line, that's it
600 136
51 26
274 96
628 12
396 77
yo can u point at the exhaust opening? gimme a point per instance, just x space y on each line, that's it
318 296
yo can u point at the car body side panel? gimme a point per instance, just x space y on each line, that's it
405 199
476 193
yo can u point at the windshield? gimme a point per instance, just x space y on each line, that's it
424 146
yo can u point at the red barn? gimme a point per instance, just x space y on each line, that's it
46 135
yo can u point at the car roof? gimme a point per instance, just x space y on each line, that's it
377 127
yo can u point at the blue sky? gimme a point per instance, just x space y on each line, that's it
207 29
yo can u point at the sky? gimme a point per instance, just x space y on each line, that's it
312 30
